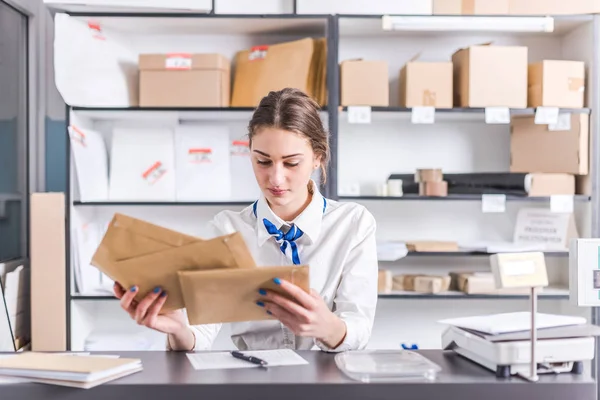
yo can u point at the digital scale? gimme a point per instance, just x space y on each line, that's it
507 358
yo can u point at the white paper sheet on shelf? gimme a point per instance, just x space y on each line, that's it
92 65
127 5
500 246
391 251
202 163
91 163
512 322
87 235
243 181
6 336
142 166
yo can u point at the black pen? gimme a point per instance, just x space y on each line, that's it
254 360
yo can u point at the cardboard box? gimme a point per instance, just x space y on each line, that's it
426 84
480 283
384 281
488 76
556 83
471 7
433 188
300 64
184 80
553 7
429 175
534 148
550 184
421 283
431 246
364 83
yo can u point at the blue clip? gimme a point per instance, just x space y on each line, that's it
412 347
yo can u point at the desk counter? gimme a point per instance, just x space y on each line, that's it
169 375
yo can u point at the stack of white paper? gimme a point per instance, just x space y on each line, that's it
243 181
142 165
7 342
224 360
89 153
391 251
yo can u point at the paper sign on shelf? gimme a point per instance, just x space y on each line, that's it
562 124
540 226
493 203
359 114
546 115
423 115
561 203
497 115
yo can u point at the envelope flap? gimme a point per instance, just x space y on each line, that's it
221 296
152 231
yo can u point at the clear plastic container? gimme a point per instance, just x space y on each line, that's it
386 365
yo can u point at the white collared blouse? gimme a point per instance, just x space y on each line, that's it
337 242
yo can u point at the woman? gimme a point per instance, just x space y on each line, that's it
292 223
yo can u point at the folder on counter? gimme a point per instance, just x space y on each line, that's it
135 252
226 295
67 370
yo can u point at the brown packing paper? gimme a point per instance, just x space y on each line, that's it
427 246
298 64
222 296
125 255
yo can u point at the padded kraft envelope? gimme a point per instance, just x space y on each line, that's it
222 296
119 261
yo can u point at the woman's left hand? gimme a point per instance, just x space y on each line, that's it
309 317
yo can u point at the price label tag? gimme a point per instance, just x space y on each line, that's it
561 203
423 115
546 115
359 114
497 115
493 203
563 123
178 61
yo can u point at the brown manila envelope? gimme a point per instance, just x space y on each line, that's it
221 296
132 254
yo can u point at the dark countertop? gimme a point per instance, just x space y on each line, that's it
170 375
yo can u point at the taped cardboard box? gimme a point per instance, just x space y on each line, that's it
535 148
426 84
431 246
556 83
471 7
490 76
221 296
421 283
384 281
480 283
364 83
550 184
184 80
438 189
554 7
299 64
135 252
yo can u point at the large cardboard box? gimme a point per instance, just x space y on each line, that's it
364 83
471 7
426 84
556 83
535 148
299 64
489 76
553 7
550 184
184 80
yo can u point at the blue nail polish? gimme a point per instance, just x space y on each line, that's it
133 288
277 281
163 294
262 291
260 304
269 312
156 289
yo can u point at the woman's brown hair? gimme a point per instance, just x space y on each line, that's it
293 110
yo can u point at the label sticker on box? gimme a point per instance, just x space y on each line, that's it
200 156
562 124
359 114
96 30
240 148
546 115
423 115
258 53
154 173
497 115
493 203
561 203
77 135
178 61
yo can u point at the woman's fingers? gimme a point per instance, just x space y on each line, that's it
118 290
127 298
144 305
150 318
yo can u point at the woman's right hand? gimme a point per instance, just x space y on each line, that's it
146 311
